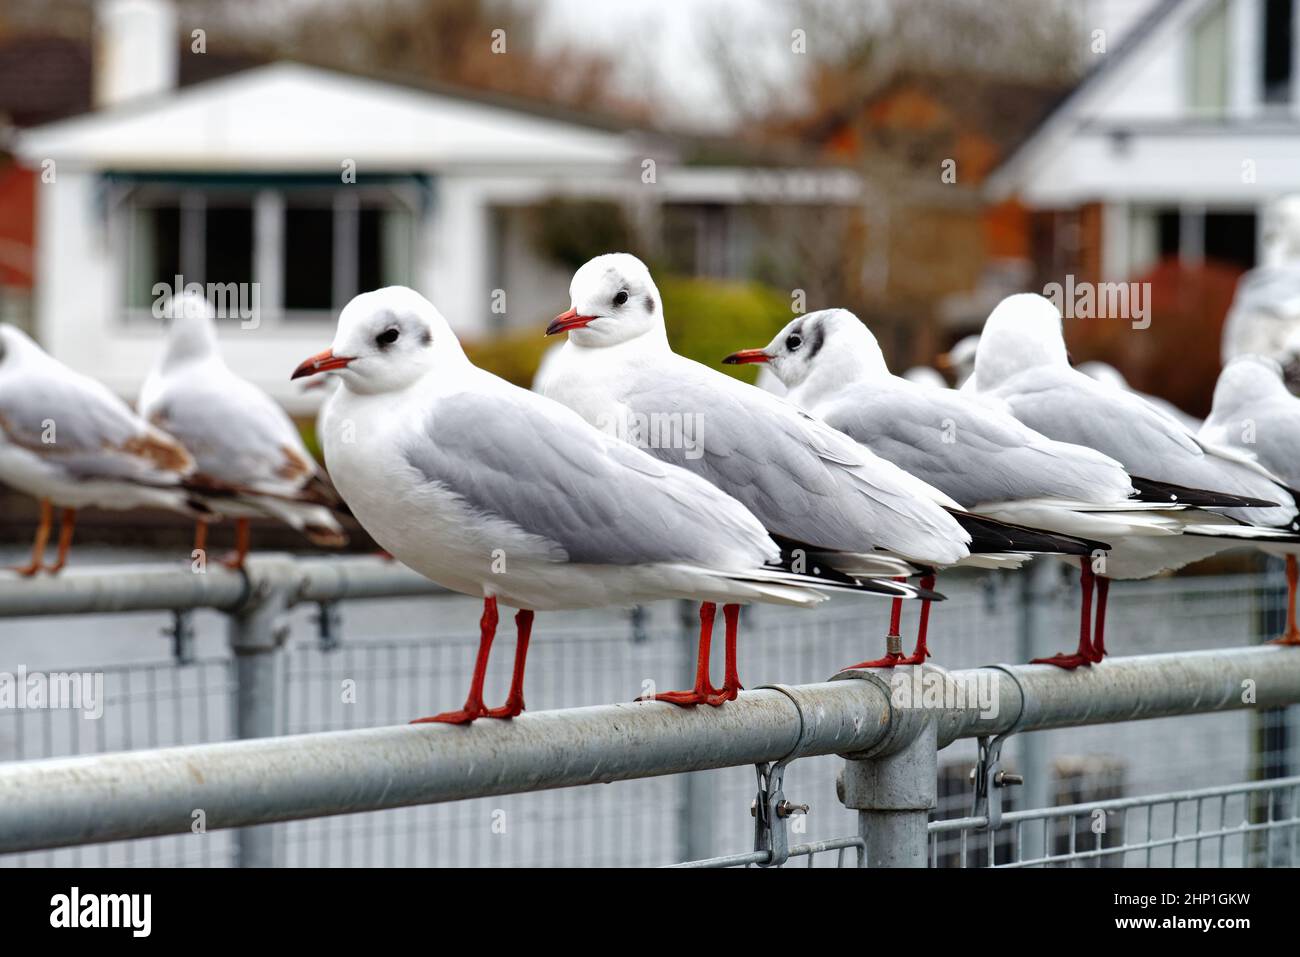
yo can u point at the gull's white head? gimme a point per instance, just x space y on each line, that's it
191 327
1281 233
15 345
961 357
1246 381
1023 332
386 340
818 353
612 300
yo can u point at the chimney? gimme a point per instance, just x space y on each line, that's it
135 51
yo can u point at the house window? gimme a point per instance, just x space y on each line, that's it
1277 62
1208 63
1226 237
310 247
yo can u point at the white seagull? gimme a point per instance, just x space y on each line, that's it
810 486
1264 318
1022 363
1255 414
984 458
69 442
251 459
496 492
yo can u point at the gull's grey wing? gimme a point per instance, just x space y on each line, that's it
77 425
1068 406
975 454
1267 431
238 435
523 459
801 478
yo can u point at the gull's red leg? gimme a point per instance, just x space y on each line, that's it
39 542
67 525
731 685
515 700
703 689
893 641
922 651
235 560
1292 634
1099 629
487 626
1083 655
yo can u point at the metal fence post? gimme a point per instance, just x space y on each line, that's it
1035 589
895 786
695 814
257 632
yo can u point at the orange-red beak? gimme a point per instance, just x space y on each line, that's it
321 362
745 356
566 321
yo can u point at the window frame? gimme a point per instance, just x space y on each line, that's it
407 194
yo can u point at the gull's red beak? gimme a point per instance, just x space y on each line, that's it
745 356
321 362
566 321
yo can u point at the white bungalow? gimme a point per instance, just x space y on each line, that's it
302 186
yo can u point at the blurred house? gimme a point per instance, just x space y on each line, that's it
1169 148
295 187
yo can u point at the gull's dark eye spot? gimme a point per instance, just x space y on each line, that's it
387 337
793 341
621 297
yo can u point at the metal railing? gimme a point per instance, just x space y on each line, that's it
889 779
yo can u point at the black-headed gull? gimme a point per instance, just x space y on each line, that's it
984 458
807 483
1022 363
70 443
1254 413
496 492
1264 318
250 458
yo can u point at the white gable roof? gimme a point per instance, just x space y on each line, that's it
288 116
1127 133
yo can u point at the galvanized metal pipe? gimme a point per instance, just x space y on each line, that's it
174 586
79 800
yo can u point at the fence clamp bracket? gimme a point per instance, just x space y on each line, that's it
181 633
990 779
770 807
329 626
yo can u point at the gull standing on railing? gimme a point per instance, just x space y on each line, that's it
1254 413
1022 363
70 443
251 458
496 492
984 458
811 486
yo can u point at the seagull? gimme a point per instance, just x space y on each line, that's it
250 458
1022 364
69 442
496 492
808 484
983 457
1265 311
1255 414
960 359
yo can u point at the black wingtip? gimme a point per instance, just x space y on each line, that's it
1150 490
990 537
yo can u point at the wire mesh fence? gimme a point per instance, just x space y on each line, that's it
592 658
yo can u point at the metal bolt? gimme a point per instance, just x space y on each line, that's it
1005 779
786 809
